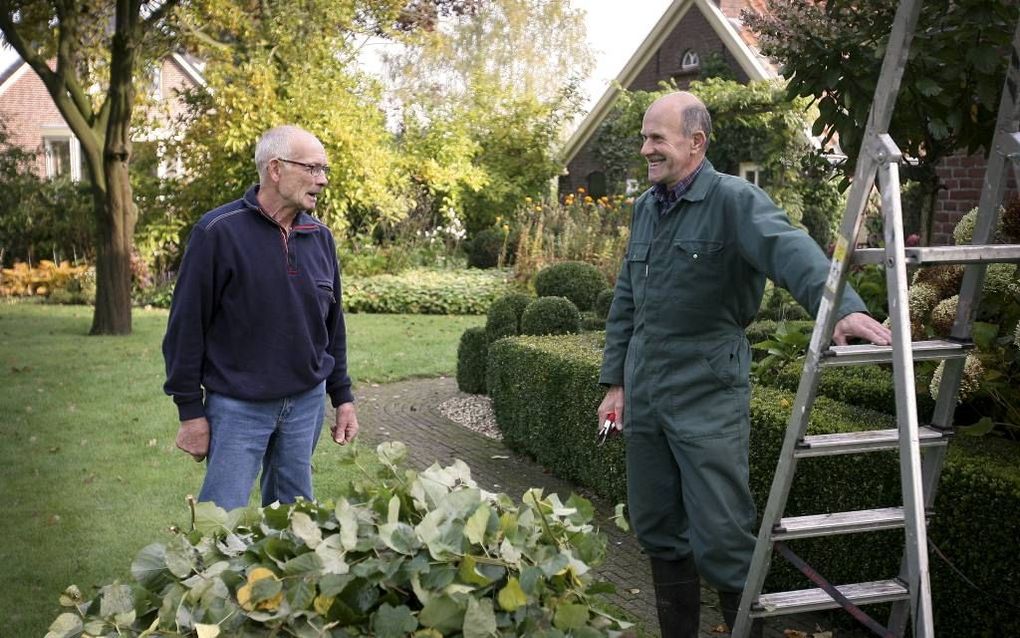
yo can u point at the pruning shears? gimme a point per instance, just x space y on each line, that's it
608 426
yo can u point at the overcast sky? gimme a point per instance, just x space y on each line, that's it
615 29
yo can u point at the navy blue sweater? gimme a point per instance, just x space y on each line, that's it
256 312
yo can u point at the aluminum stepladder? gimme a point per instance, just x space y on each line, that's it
910 591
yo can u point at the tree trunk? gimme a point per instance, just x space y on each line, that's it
118 214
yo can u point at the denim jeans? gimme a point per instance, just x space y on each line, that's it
280 435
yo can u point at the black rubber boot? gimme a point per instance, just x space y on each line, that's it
729 602
677 597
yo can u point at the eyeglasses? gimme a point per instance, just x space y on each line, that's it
313 169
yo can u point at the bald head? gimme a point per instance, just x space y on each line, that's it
675 133
690 113
281 141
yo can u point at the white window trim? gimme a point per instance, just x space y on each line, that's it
75 154
690 60
751 167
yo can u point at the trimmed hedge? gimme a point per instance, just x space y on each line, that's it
545 394
578 281
550 316
429 292
483 250
779 305
472 353
869 386
603 302
504 316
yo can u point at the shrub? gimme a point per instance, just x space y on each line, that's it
550 316
403 552
603 302
504 316
422 291
764 329
591 321
472 352
779 305
486 247
545 394
46 277
577 281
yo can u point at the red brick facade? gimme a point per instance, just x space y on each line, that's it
32 117
960 178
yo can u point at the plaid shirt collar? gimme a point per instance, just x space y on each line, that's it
669 196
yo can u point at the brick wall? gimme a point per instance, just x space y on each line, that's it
693 32
961 178
27 109
30 114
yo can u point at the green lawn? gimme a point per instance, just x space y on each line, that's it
88 470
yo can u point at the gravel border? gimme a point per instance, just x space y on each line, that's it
474 412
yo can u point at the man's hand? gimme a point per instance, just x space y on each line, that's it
346 426
613 402
861 326
193 438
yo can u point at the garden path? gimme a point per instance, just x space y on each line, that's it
408 411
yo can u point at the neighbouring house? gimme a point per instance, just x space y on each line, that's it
692 31
34 123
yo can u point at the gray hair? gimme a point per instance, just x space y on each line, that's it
696 118
274 143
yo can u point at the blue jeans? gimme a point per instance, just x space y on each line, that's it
280 435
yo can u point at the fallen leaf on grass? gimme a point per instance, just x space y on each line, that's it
53 519
54 449
152 442
721 628
499 456
634 591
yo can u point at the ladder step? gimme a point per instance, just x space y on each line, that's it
868 353
968 254
805 600
866 441
838 523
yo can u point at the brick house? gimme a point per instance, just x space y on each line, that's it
34 123
689 32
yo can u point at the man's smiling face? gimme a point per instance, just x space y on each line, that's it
670 154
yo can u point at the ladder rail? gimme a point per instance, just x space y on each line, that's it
916 544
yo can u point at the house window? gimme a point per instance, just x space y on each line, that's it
752 172
689 61
597 184
63 157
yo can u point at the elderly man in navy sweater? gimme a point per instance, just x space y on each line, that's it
256 323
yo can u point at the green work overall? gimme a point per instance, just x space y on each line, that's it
692 280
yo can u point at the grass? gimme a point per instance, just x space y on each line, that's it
88 470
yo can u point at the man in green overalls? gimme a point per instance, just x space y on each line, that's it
677 362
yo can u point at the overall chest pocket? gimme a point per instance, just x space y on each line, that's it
637 264
698 270
324 295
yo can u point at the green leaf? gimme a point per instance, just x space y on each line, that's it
180 557
984 334
400 537
67 625
301 594
927 87
480 619
330 552
115 599
348 520
442 613
469 573
392 453
512 596
307 563
393 622
570 616
264 589
306 529
148 566
476 525
209 518
981 428
334 584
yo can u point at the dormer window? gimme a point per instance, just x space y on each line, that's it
689 61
